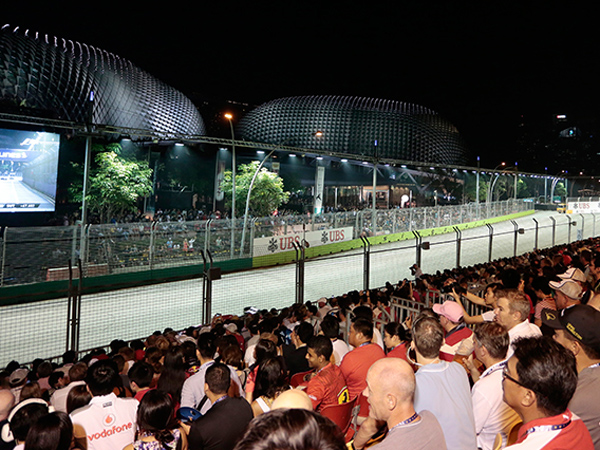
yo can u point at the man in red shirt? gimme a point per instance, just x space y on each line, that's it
356 363
327 386
538 383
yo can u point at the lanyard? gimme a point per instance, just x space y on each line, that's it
548 427
411 419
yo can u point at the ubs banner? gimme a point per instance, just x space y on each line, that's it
276 244
583 207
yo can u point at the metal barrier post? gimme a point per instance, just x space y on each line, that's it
208 276
569 229
458 245
516 232
4 234
537 229
299 271
491 241
582 226
151 246
366 261
593 224
553 230
418 242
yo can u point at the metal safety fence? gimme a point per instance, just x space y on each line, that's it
41 329
38 254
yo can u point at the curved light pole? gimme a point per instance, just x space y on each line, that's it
316 134
229 117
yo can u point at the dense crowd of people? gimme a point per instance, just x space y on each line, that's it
521 373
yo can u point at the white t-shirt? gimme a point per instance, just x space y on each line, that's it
340 348
109 422
492 415
521 330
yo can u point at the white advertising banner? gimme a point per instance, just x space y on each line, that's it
583 207
283 243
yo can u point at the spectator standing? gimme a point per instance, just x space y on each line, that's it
442 386
578 330
538 383
492 415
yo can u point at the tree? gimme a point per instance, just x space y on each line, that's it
267 193
115 184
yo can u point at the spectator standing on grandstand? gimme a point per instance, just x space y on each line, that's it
366 312
488 301
578 330
538 382
330 328
192 392
492 415
442 386
326 385
512 312
108 422
390 391
455 329
357 362
223 425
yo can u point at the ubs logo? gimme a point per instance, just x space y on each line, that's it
109 420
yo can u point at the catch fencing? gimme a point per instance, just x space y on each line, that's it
47 328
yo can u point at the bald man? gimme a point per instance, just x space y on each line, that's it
292 399
390 391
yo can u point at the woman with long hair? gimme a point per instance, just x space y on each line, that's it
270 382
173 374
395 340
157 428
264 349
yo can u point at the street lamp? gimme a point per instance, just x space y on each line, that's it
229 117
316 134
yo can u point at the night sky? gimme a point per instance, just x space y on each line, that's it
481 66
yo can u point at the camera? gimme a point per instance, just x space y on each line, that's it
454 286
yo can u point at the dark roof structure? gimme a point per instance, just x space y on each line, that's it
385 129
57 77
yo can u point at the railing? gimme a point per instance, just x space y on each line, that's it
109 312
38 254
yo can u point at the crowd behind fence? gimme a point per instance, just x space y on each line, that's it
140 310
38 254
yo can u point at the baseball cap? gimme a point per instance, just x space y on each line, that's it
450 310
581 321
573 274
18 376
570 288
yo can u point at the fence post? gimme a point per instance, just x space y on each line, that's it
299 271
593 224
366 261
516 233
151 245
458 245
568 229
491 241
4 234
207 236
582 227
252 235
418 242
537 229
553 230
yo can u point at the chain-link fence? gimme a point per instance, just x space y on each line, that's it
133 310
33 255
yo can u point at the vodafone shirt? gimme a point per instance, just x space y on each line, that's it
108 422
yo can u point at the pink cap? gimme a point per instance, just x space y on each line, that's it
450 310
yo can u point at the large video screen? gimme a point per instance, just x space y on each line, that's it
28 171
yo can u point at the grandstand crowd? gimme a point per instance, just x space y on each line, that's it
354 371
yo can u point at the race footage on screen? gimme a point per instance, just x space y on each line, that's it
28 171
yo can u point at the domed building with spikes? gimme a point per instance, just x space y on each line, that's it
365 127
58 78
